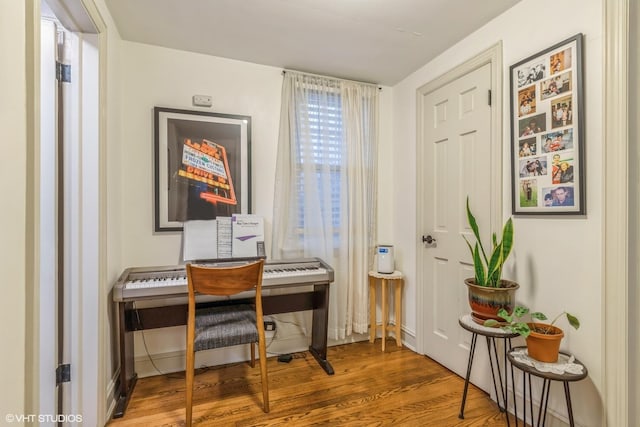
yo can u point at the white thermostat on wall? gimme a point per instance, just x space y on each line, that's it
202 101
386 263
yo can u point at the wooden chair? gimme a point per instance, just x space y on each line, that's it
224 326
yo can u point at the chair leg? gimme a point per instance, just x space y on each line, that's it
189 386
253 355
262 348
189 369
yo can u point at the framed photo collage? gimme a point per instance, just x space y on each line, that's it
547 131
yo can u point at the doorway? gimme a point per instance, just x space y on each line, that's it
68 190
459 154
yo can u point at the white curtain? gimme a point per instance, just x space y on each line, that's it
326 185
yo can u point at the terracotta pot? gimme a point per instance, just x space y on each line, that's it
486 301
544 346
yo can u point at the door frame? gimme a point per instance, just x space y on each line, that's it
89 309
493 56
618 353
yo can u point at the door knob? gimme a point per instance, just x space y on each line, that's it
428 239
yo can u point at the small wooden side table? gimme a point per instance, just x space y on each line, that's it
491 334
395 279
567 369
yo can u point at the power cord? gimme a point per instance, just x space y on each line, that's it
146 349
283 356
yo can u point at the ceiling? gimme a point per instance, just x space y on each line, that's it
377 41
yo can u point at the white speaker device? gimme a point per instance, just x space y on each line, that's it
385 259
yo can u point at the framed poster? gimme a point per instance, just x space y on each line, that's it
202 166
547 132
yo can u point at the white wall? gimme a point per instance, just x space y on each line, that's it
13 187
153 76
557 261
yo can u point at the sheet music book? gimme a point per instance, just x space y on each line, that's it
224 237
248 236
200 240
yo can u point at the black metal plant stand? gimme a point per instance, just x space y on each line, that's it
491 334
547 377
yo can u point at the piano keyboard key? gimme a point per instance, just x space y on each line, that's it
142 283
182 280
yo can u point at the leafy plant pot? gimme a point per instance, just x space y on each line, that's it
544 347
485 301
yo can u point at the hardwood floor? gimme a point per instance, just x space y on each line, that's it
369 388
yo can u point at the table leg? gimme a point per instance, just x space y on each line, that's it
373 325
524 400
544 402
503 386
474 338
491 344
567 396
513 384
127 377
319 327
398 309
385 312
491 341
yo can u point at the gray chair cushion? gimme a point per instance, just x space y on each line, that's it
225 326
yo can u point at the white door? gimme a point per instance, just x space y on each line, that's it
456 161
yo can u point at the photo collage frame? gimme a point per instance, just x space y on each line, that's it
547 131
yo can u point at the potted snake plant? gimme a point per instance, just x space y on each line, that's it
488 292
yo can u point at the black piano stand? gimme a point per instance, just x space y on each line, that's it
132 319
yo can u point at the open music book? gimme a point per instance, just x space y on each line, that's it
239 236
248 236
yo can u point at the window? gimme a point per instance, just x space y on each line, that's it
319 147
325 204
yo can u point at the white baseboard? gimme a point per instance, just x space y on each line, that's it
408 337
111 398
174 361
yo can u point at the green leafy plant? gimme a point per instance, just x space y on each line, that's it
488 270
515 325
